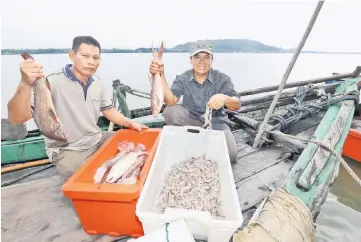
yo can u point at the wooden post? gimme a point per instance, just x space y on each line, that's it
355 73
287 73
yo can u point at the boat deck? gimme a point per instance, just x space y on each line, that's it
35 209
356 125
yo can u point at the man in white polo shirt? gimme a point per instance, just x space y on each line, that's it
78 96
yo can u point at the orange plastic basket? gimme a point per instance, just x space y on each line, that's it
352 145
110 208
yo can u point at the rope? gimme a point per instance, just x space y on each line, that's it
125 88
327 147
301 109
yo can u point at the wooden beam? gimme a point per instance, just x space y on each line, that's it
301 83
328 88
313 198
356 72
246 121
321 156
295 145
25 165
265 105
287 73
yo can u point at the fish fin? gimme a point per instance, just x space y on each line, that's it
160 54
153 51
47 84
53 115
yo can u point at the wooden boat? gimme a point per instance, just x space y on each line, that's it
34 208
352 145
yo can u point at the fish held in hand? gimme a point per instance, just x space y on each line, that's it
157 92
45 116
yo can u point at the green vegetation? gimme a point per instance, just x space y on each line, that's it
235 45
219 45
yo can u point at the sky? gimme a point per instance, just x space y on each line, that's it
136 23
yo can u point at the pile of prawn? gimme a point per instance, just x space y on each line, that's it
192 184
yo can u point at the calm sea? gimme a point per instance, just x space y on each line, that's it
340 219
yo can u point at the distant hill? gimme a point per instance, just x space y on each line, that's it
219 46
234 45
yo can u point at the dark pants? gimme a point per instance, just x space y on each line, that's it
179 116
67 162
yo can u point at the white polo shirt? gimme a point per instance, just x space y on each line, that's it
78 106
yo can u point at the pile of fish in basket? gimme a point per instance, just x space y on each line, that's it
125 166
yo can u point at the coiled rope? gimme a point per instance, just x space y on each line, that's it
301 108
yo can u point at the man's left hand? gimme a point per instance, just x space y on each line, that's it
217 101
138 126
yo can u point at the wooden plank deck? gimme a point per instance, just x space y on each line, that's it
36 209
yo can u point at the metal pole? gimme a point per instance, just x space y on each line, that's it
287 73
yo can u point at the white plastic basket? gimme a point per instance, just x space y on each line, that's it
177 144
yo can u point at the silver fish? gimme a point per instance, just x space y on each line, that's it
124 148
45 116
132 171
157 92
124 164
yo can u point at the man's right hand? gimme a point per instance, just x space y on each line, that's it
156 67
30 72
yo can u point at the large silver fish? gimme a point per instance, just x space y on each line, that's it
45 116
125 163
124 148
157 92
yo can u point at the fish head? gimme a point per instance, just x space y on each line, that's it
140 147
126 145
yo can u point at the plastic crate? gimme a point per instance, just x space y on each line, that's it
177 144
110 208
352 145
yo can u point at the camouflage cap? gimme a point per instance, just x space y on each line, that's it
201 46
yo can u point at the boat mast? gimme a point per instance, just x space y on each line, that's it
287 73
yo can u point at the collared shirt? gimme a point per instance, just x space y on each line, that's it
78 107
196 96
